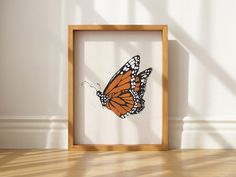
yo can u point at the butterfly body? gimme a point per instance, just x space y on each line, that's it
124 93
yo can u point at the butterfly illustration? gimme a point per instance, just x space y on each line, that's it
124 92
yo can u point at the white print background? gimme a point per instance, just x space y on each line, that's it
98 55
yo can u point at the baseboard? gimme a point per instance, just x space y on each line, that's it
51 132
202 132
33 132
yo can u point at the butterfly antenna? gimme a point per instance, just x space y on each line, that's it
89 85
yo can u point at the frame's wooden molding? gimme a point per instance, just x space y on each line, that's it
165 86
118 147
98 147
70 87
117 27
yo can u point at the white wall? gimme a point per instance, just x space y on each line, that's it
202 66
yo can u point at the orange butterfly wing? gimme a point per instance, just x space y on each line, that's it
124 79
140 86
120 86
122 104
141 81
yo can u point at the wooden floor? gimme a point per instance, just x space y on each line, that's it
175 163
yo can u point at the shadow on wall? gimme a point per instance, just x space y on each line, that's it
178 79
178 62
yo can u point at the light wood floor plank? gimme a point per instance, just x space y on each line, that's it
174 163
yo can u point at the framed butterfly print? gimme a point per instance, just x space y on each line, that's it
117 87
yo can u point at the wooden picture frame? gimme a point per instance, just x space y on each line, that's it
71 91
